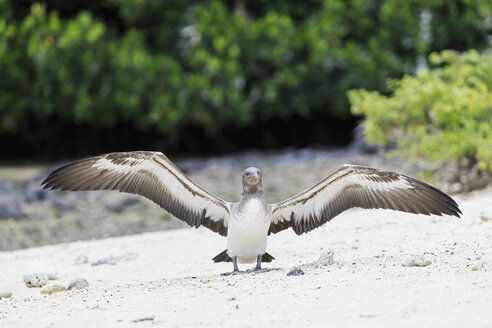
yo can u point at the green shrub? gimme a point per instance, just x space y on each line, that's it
160 64
442 114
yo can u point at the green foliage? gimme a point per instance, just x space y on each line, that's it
444 113
162 64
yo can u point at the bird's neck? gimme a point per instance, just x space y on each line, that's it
250 190
251 194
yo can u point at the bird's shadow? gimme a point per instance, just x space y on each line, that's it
253 271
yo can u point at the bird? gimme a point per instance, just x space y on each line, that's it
248 223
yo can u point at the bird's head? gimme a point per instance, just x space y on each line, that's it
252 177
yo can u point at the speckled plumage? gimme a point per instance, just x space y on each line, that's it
248 222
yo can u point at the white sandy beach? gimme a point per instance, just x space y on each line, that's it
169 277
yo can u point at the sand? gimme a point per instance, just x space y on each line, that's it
167 278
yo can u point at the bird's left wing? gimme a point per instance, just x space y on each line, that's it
358 186
149 174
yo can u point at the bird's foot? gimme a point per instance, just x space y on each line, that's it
233 273
261 270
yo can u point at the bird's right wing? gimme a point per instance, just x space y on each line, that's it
149 174
358 186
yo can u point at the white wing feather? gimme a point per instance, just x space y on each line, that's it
149 174
358 186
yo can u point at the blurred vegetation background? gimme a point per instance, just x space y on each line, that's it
441 114
79 77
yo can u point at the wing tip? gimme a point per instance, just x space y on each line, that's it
48 183
457 213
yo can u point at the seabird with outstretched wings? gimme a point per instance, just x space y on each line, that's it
248 222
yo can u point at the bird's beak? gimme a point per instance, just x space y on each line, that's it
253 179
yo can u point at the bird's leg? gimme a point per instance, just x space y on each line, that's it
234 263
258 268
258 262
236 269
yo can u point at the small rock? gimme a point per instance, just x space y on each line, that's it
476 266
54 288
81 259
36 279
295 272
5 294
104 260
78 283
416 261
326 258
485 218
147 318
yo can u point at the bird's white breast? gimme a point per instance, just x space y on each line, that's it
248 230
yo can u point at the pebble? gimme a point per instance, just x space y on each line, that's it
104 260
476 266
78 283
36 279
326 258
416 261
5 294
54 288
295 272
485 217
81 259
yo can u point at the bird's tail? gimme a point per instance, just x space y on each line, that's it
224 257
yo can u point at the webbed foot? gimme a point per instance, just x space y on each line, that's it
233 273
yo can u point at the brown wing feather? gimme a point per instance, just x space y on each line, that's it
147 174
359 186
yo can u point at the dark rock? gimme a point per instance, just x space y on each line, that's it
104 260
295 272
78 283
